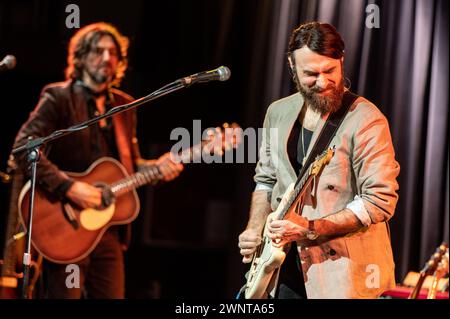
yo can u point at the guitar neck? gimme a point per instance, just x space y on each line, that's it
145 176
151 174
299 188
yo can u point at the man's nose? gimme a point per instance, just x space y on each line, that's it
322 81
106 55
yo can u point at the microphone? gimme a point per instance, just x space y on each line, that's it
220 74
8 63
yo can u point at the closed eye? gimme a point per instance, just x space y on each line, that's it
307 73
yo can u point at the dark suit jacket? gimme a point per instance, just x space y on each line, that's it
62 105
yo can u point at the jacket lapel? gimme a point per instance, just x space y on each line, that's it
288 121
123 146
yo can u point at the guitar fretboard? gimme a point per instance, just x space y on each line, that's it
151 174
303 183
299 186
146 176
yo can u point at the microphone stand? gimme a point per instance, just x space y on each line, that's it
33 148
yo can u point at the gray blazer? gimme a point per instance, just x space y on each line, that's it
358 265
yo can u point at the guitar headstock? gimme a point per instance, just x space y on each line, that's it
442 267
222 139
435 259
322 160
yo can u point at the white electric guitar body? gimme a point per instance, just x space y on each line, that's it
268 258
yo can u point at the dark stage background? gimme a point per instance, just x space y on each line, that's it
185 238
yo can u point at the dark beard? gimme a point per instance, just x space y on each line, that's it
97 78
323 104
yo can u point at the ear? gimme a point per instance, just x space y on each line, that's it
291 63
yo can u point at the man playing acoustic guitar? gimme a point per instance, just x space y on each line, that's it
97 60
338 233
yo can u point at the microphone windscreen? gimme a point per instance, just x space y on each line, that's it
224 73
9 61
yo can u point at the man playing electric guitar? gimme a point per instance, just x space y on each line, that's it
97 60
339 236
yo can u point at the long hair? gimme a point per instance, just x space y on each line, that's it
321 38
85 39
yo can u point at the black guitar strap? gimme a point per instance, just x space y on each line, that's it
328 131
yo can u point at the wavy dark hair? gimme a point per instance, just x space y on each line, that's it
85 39
321 38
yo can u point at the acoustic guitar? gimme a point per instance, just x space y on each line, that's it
64 233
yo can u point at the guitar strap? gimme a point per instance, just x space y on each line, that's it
328 131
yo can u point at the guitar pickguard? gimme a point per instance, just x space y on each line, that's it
93 219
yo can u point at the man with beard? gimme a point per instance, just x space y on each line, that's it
97 61
339 238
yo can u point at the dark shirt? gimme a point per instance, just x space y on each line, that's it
63 105
290 282
298 141
103 142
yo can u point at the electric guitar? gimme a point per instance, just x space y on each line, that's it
268 258
429 269
440 273
65 233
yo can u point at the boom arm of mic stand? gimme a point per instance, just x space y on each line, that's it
37 142
33 146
